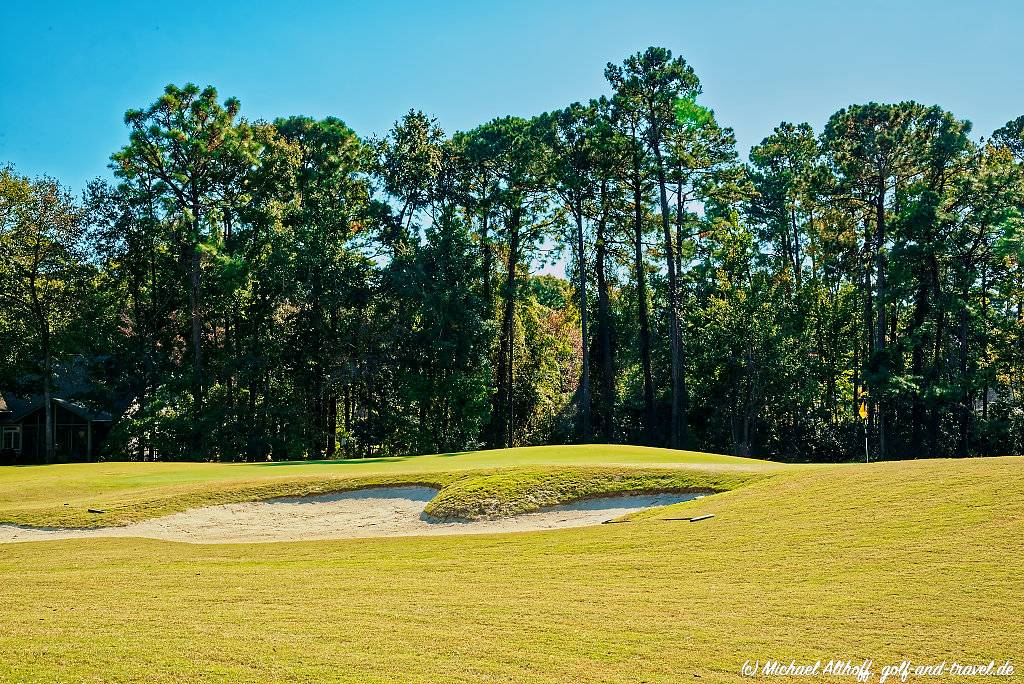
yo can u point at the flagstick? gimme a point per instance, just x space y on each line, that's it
865 424
862 411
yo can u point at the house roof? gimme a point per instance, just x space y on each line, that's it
17 409
72 390
82 411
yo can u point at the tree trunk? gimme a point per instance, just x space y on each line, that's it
680 223
985 339
151 349
678 431
640 274
964 409
194 300
936 364
51 452
502 415
922 307
797 259
332 422
880 330
868 322
485 248
585 376
604 327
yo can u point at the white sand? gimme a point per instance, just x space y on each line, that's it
384 512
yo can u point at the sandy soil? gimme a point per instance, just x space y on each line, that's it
384 512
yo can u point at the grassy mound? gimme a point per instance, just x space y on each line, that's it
522 490
891 561
482 483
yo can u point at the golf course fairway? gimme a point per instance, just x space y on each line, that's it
911 560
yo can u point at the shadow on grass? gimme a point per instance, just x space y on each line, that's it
356 461
333 461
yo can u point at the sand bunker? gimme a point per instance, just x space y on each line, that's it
385 512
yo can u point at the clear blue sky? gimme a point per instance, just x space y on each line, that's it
68 71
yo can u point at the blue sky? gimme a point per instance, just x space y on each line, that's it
68 71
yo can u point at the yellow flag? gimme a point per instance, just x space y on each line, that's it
863 410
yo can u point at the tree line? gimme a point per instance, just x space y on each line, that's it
250 290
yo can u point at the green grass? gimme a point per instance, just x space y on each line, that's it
493 494
917 560
503 480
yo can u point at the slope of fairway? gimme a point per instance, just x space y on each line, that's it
915 560
503 481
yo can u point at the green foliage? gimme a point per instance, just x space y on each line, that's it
691 114
44 289
444 373
254 291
